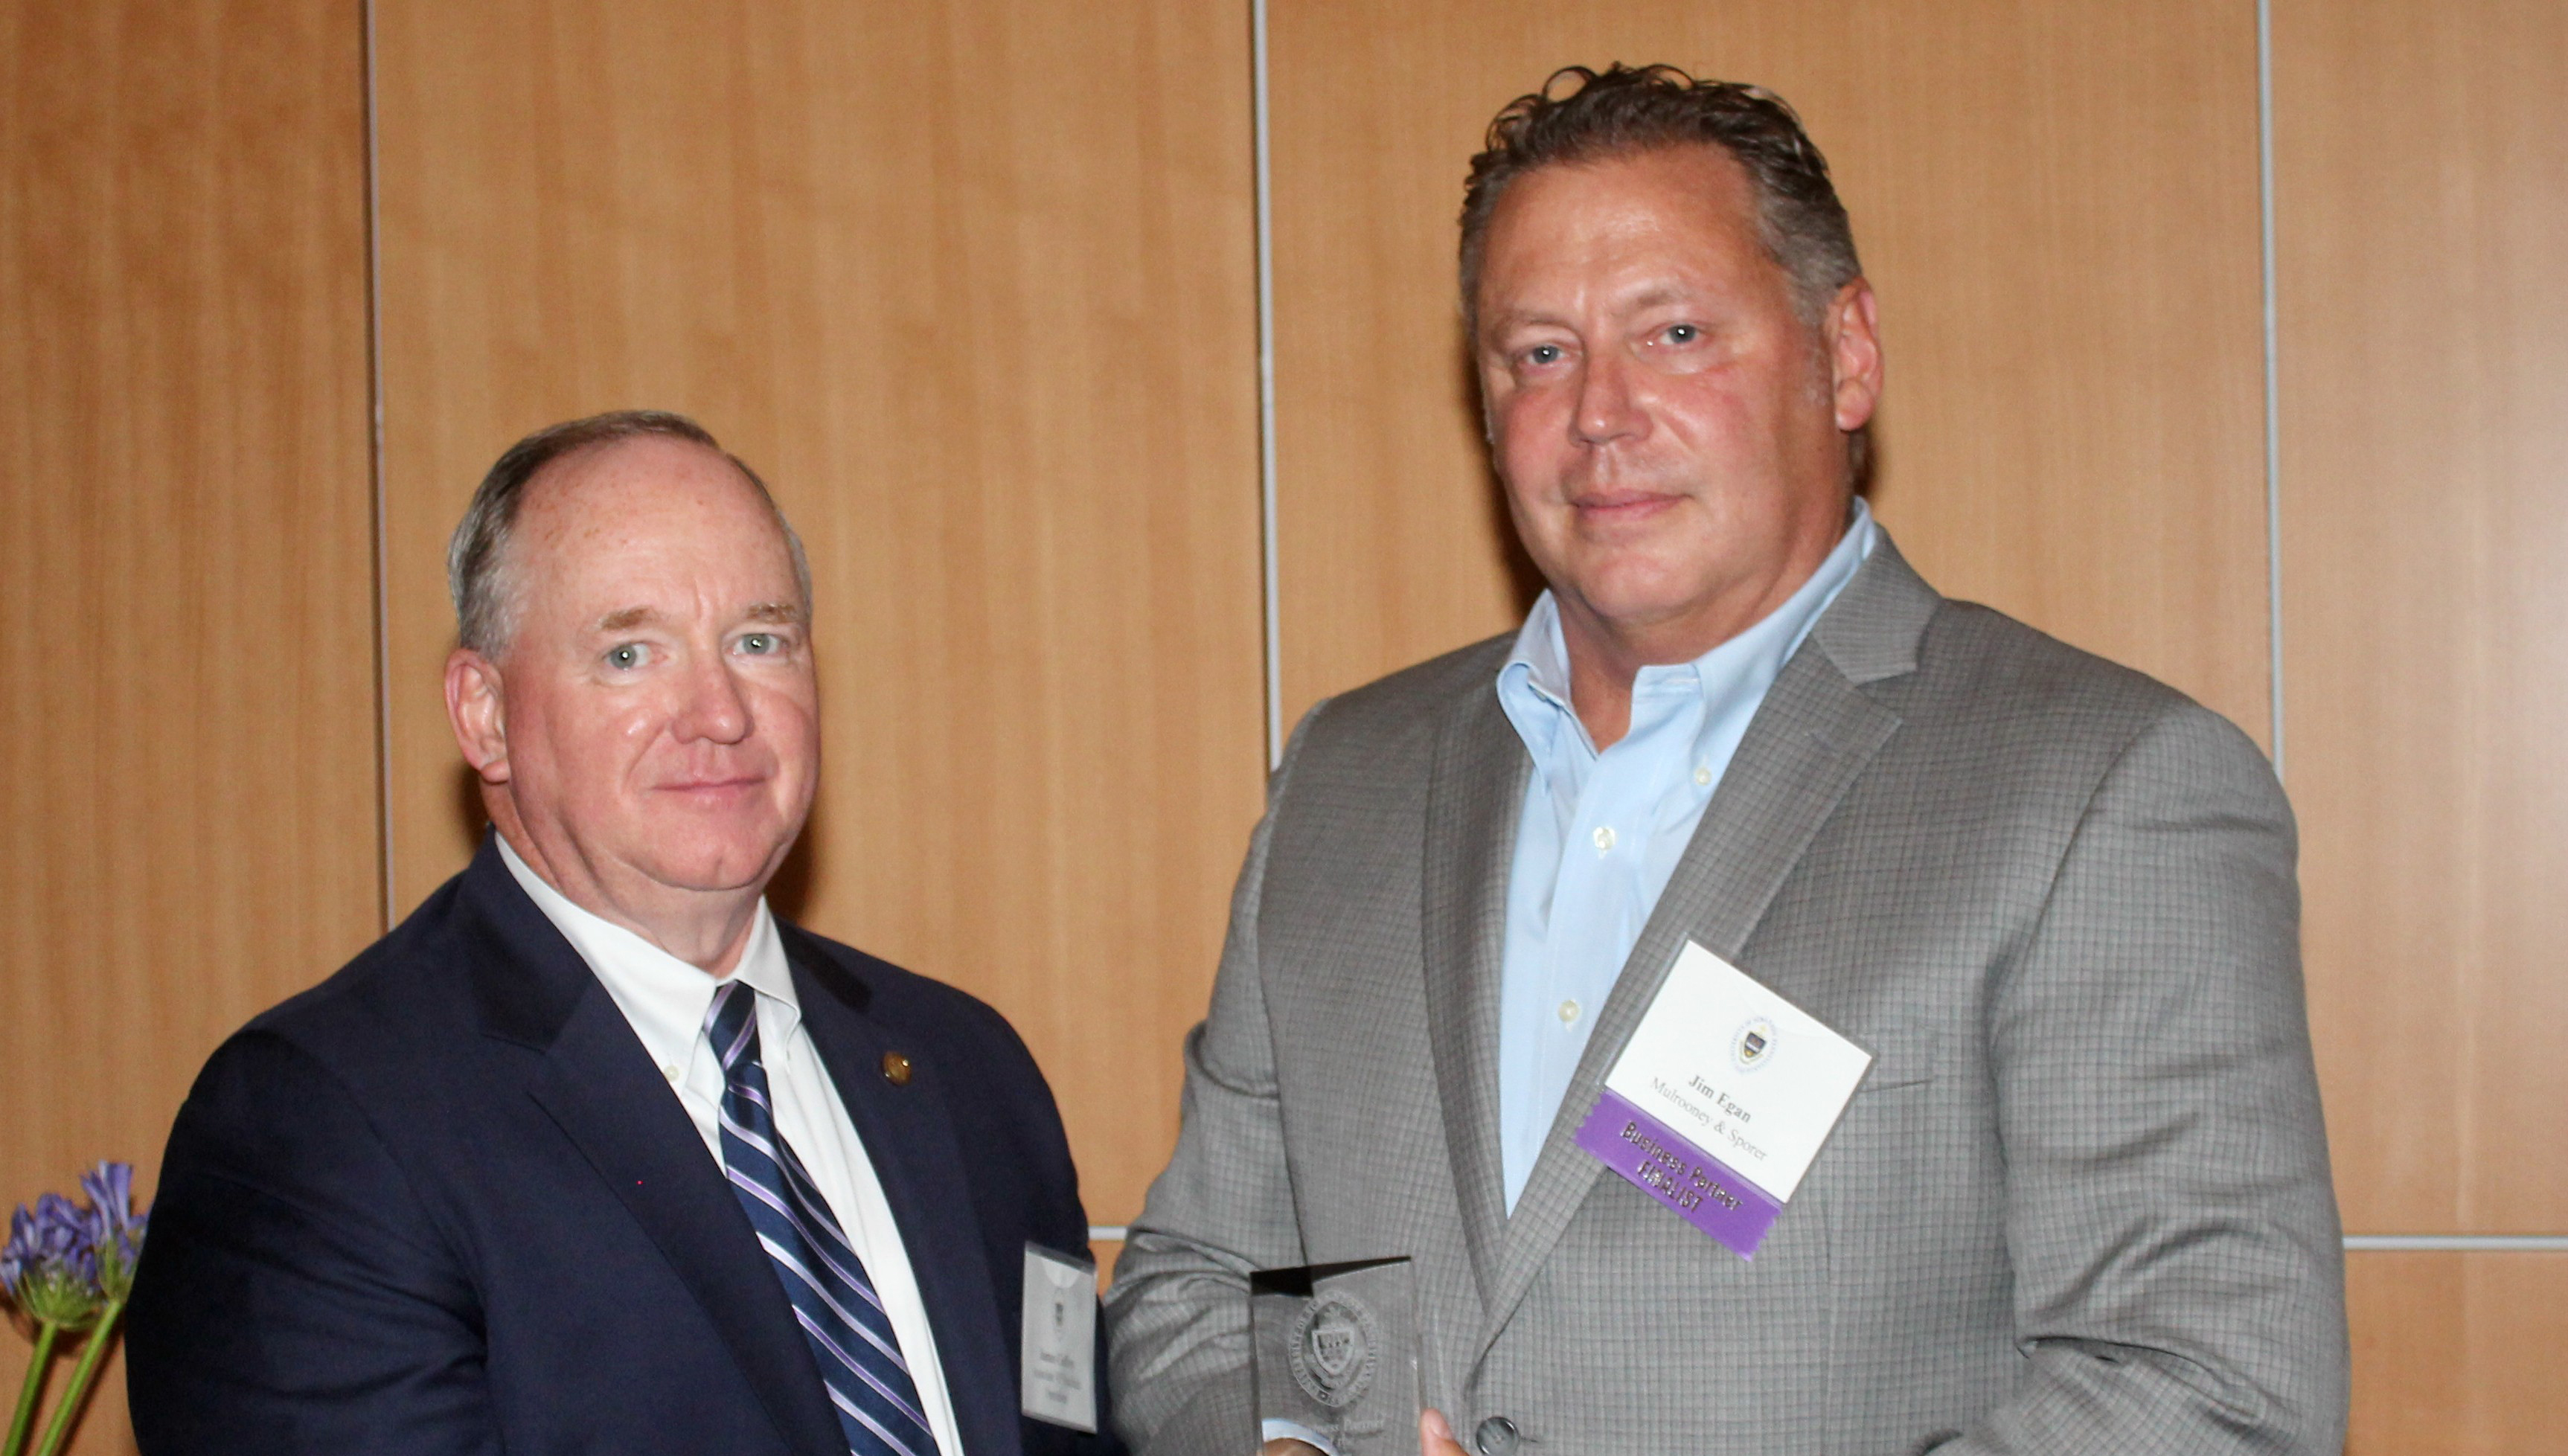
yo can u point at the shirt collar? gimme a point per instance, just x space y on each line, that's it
664 998
1537 669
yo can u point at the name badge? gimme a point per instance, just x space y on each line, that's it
1058 1381
1720 1099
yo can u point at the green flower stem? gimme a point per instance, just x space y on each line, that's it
93 1355
37 1365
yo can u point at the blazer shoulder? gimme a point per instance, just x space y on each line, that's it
347 1080
1410 702
920 1004
1983 672
389 1001
1002 1100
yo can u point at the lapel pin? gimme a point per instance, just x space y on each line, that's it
896 1068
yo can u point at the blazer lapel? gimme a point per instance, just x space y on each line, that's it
599 1087
1473 799
909 1137
1809 741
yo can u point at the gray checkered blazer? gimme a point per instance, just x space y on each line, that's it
2080 1204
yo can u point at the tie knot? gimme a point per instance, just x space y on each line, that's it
730 1024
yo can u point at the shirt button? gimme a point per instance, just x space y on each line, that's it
1568 1012
1604 838
1703 776
670 1073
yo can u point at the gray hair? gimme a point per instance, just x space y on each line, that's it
476 559
1626 111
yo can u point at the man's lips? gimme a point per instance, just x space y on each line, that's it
713 787
1622 506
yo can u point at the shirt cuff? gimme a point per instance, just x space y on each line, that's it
1285 1430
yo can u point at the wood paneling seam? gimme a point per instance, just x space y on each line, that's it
375 483
1274 601
2273 374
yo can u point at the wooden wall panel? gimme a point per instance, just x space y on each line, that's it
2457 1354
972 284
2422 156
187 752
2057 204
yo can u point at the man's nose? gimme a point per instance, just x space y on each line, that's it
1609 407
714 707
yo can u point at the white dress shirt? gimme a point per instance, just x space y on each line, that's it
665 1000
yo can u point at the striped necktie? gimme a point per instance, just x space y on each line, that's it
841 1316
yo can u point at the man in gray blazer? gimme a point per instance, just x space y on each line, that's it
2080 1201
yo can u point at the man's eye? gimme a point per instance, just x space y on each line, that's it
627 656
760 644
1541 354
1683 332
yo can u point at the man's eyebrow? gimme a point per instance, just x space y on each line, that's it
1657 295
1496 330
1517 318
627 619
1654 295
780 614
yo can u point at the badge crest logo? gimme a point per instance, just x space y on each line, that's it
1752 1045
1335 1350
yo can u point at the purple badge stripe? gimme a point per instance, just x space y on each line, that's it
1692 1183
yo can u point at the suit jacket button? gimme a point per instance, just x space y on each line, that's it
1496 1436
896 1068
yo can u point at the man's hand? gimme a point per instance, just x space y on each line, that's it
1434 1438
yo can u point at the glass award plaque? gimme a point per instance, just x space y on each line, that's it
1335 1355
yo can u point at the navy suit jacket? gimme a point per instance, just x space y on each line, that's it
443 1202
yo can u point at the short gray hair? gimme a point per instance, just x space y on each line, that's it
476 559
1623 111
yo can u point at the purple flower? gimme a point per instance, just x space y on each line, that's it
65 1263
50 1268
63 1233
115 1226
20 1250
110 1187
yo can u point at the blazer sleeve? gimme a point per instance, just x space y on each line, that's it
294 1296
2179 1274
1177 1311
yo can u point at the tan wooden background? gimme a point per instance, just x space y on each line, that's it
974 284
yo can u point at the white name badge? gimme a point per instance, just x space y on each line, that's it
1059 1382
1721 1098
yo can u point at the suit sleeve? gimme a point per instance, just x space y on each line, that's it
2179 1274
1028 1119
294 1296
1177 1311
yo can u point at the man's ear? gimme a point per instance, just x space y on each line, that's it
1854 353
477 711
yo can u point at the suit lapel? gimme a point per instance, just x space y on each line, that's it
1807 743
602 1090
1473 799
598 1085
909 1137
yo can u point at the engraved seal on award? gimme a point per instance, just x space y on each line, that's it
1335 1350
1336 1356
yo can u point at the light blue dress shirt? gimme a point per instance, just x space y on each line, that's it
1601 832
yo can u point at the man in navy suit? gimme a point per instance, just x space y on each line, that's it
592 1152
